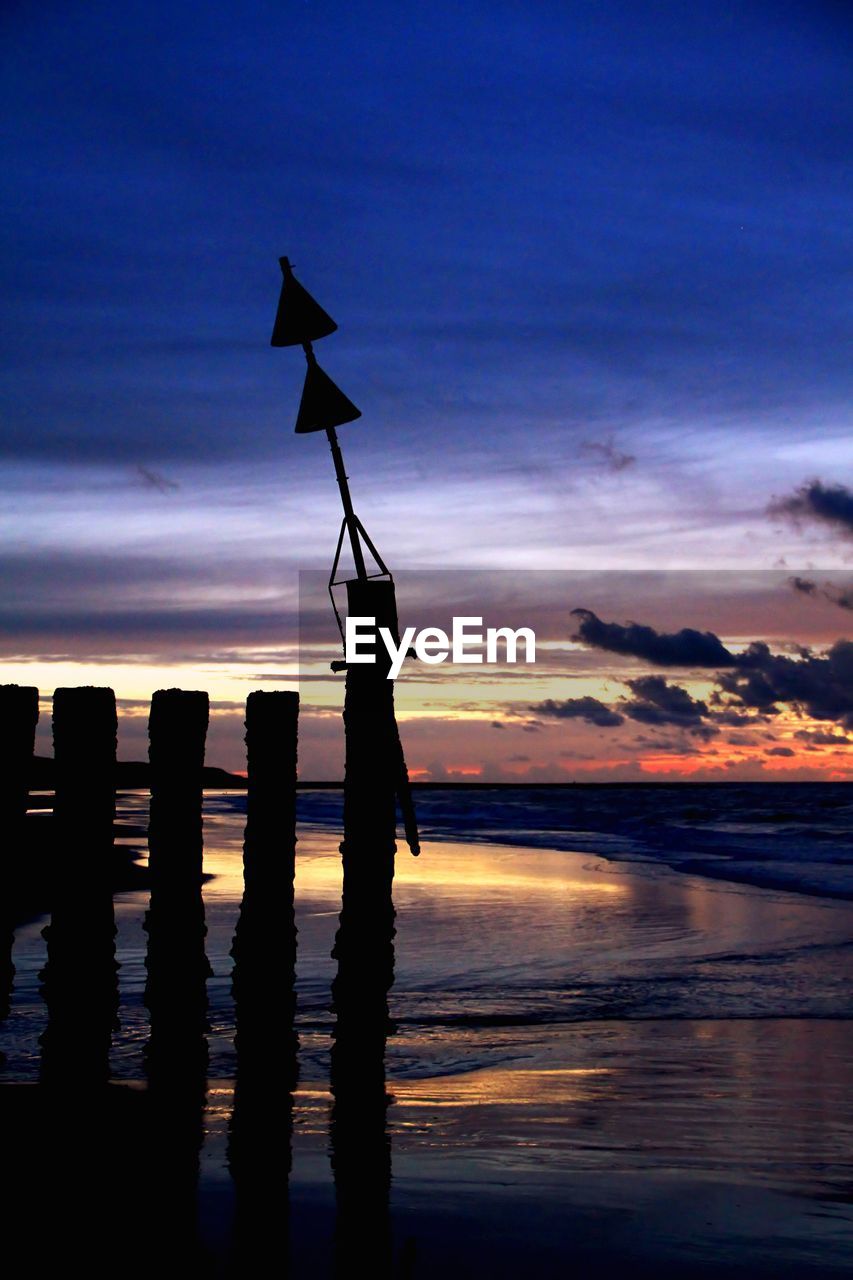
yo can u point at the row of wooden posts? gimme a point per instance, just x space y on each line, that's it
85 728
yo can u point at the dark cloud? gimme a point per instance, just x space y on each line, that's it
757 680
818 737
730 718
657 703
840 596
804 585
779 751
820 686
817 503
685 648
154 480
606 452
831 591
589 709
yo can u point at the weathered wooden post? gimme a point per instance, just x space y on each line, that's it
79 980
177 968
263 985
372 767
177 731
175 991
84 748
264 947
272 719
19 713
364 949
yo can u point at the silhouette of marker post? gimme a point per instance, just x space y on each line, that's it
374 753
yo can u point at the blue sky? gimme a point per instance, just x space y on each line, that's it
590 263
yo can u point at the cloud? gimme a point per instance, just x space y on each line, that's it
831 591
606 452
804 585
820 686
818 737
779 751
154 480
656 702
589 709
840 596
817 685
685 648
733 719
816 502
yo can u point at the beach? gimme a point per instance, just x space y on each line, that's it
588 1064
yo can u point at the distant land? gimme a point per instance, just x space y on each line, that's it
135 775
132 775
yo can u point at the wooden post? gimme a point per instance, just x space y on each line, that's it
80 984
264 976
364 948
372 743
177 967
177 729
271 745
84 748
19 713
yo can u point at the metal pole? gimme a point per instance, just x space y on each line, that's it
349 514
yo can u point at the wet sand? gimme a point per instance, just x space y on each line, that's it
591 1068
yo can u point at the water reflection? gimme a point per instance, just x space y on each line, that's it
175 1056
360 1145
80 986
260 1132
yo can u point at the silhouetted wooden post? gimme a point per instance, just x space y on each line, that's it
370 728
19 713
84 749
175 1054
364 947
177 730
260 1133
272 719
79 980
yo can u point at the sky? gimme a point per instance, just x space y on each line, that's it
590 264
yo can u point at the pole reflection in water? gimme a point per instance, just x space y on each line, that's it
360 1145
79 985
264 950
364 950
